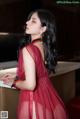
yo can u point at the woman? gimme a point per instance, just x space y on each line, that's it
37 58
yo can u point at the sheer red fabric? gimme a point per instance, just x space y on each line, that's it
43 102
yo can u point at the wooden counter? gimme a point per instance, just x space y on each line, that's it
9 101
64 80
8 96
66 67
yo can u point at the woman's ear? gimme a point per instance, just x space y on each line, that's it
44 28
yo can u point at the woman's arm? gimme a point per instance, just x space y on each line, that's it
30 72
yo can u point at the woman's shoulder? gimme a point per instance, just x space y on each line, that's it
32 48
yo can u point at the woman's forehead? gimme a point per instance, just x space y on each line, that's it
35 16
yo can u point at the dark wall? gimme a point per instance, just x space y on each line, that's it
8 47
13 15
68 34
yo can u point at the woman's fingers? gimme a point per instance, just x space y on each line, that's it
7 76
8 81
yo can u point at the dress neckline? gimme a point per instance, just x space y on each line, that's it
36 40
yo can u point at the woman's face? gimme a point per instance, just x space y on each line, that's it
33 26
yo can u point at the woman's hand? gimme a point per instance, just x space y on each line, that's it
8 78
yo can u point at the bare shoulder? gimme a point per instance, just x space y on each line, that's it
27 54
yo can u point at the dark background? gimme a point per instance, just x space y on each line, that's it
13 14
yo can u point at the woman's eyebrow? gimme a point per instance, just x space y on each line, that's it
33 18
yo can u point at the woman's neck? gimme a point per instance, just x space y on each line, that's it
35 37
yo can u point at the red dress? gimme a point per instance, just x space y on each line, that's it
43 102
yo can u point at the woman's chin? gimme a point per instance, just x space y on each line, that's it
26 32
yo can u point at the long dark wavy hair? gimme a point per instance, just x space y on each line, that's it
49 38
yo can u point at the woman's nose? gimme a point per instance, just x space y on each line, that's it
27 22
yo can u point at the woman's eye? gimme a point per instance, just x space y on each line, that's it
33 21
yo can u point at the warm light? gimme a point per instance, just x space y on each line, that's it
4 33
